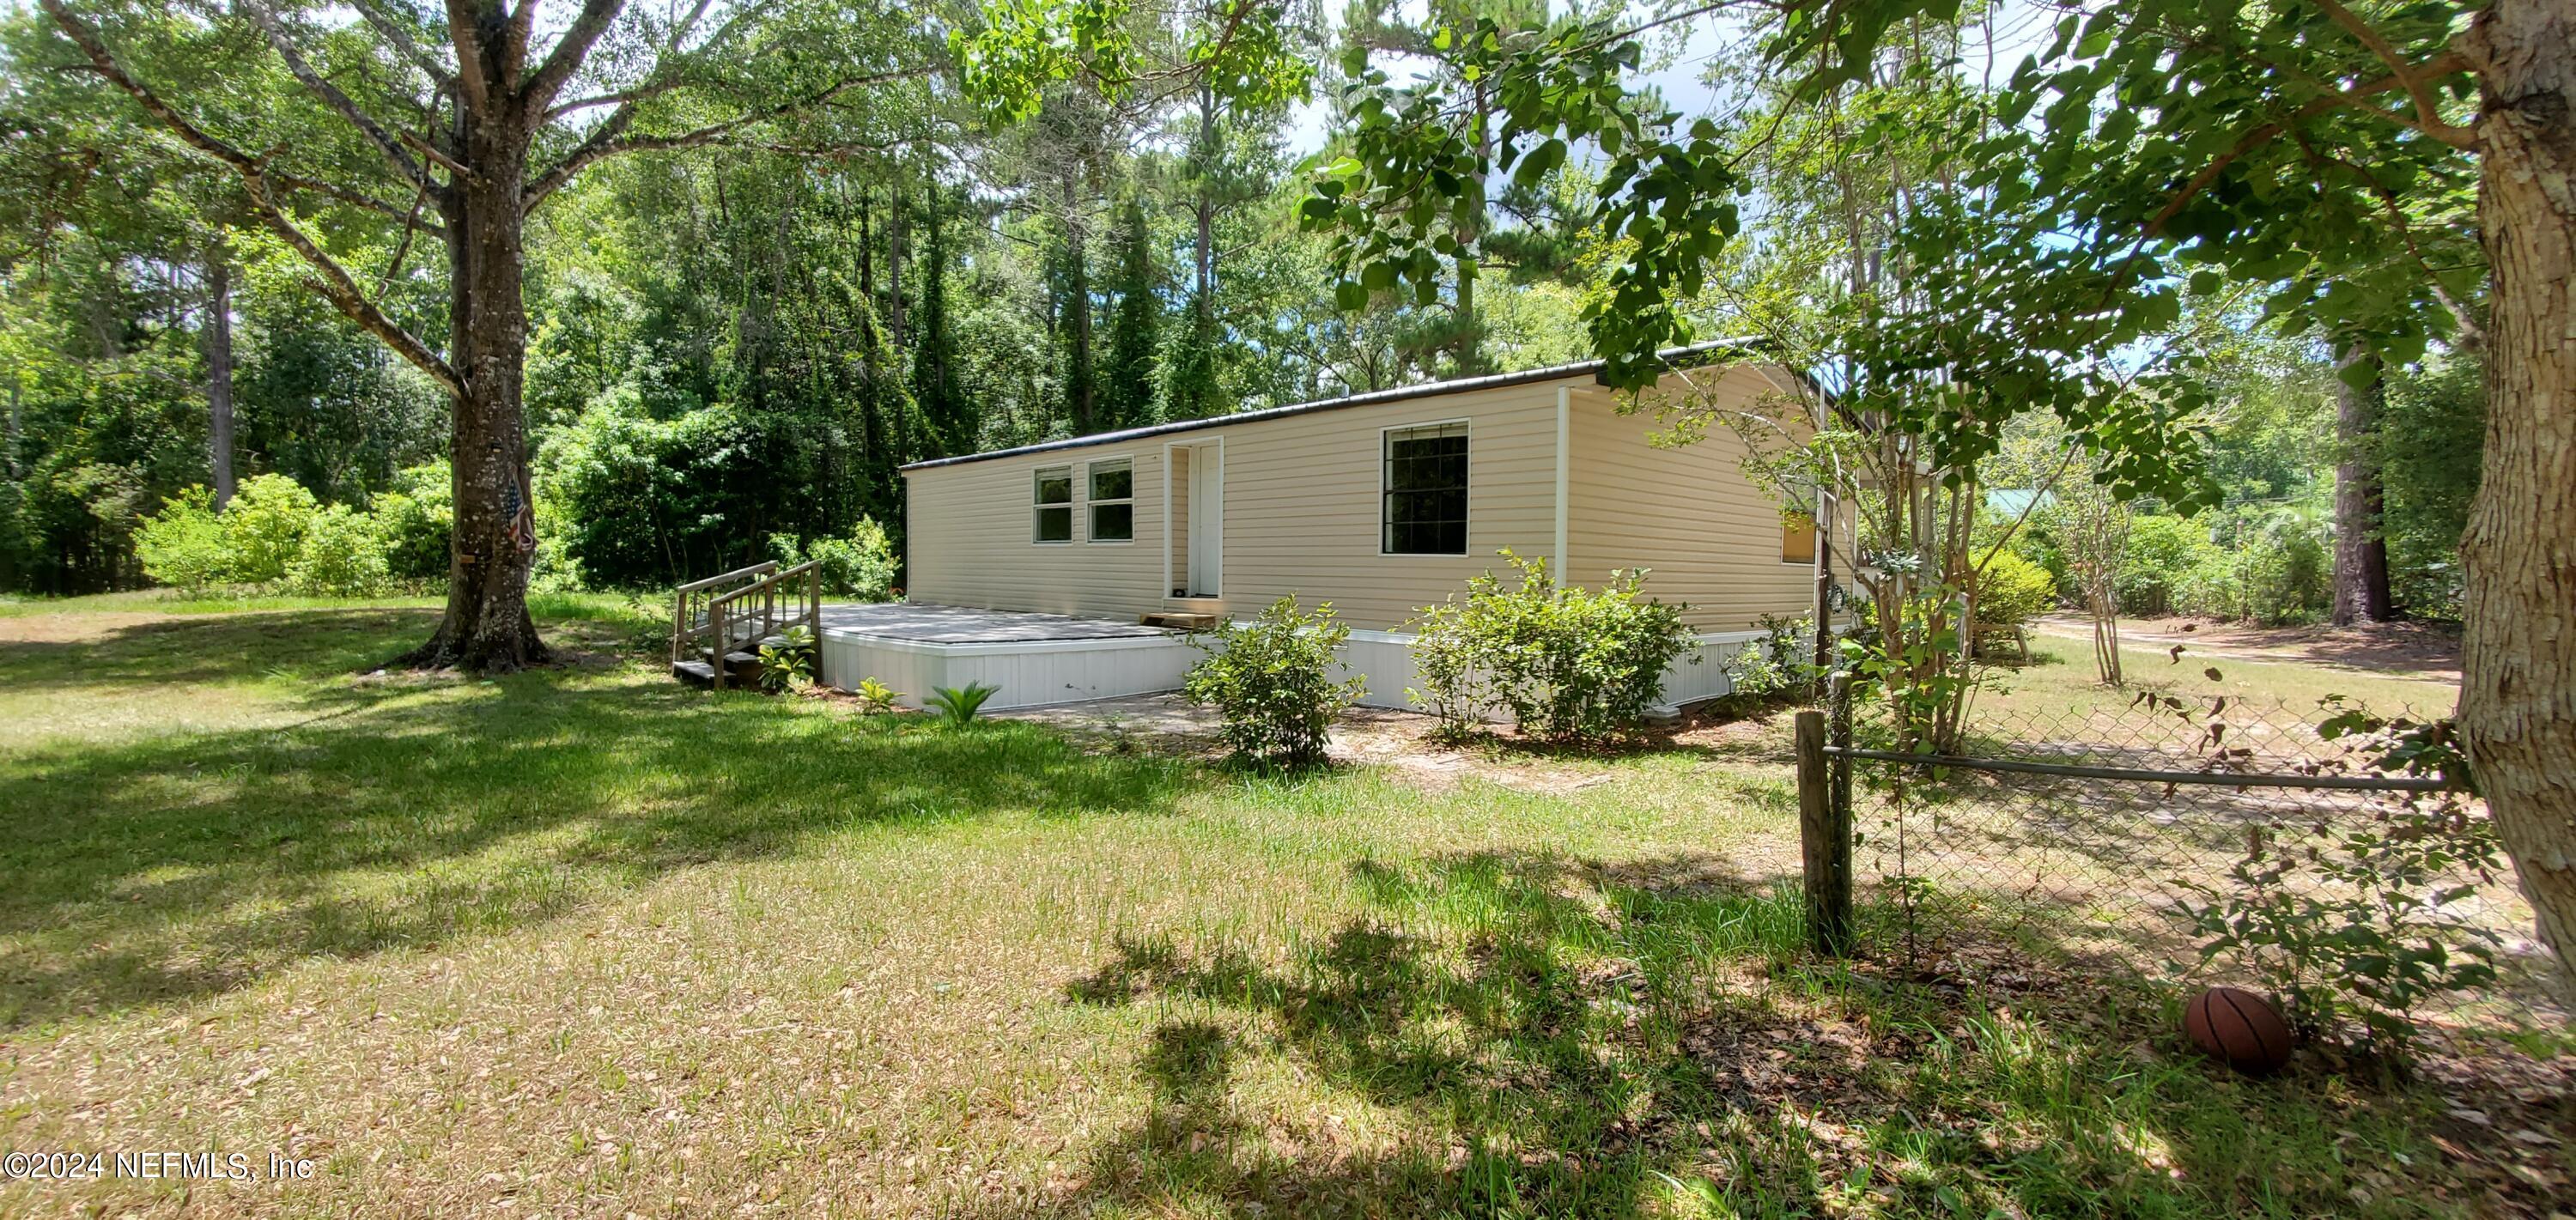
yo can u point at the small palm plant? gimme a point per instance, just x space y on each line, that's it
957 705
789 664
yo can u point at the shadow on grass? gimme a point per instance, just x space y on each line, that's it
179 866
232 646
1541 1036
216 648
1545 1040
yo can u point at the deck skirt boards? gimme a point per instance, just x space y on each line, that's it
1036 672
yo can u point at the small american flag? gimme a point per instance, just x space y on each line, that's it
523 524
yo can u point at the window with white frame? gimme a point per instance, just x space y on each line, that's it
1053 508
1425 490
1112 498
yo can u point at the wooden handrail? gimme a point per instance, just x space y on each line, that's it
735 612
736 574
771 582
692 612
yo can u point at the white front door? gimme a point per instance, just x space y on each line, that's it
1207 519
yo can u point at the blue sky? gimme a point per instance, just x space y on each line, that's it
2019 28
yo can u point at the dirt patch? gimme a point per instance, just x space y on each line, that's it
1405 743
2403 650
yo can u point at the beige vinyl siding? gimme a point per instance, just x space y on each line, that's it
1711 538
969 529
1302 515
1303 496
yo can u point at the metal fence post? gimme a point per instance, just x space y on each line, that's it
1838 710
1825 842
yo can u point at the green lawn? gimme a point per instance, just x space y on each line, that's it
581 941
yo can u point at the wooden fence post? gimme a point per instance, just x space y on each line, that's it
1824 837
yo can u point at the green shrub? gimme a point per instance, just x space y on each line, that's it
2276 572
2163 550
861 565
414 521
1444 661
1570 665
184 545
789 664
1272 680
340 556
2290 573
2349 926
2013 591
1775 665
2212 587
876 698
265 526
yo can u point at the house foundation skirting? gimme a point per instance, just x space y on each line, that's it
1035 673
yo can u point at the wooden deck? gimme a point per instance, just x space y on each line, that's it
923 623
1035 659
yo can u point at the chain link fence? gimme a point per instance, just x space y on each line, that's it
2195 835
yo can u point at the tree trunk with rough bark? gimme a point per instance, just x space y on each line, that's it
1082 391
1203 254
2518 693
218 334
491 102
2361 551
894 260
487 626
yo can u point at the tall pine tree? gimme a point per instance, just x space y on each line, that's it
1190 378
1135 329
1079 377
948 417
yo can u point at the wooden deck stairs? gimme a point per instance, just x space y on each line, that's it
1181 612
718 625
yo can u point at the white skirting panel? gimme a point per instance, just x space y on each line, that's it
1033 673
1029 673
1385 659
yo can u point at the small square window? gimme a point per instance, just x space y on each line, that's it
1112 500
1797 538
1053 508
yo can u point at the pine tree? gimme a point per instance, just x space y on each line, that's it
1080 376
1189 377
1127 382
948 418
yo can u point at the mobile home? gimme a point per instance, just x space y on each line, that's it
1380 503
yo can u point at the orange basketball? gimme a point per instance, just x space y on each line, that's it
2240 1028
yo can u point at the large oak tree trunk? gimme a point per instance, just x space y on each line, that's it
2518 695
2361 551
487 626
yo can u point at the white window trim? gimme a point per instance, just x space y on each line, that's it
1071 506
1470 544
1087 501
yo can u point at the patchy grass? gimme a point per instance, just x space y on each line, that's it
2061 679
584 941
556 606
